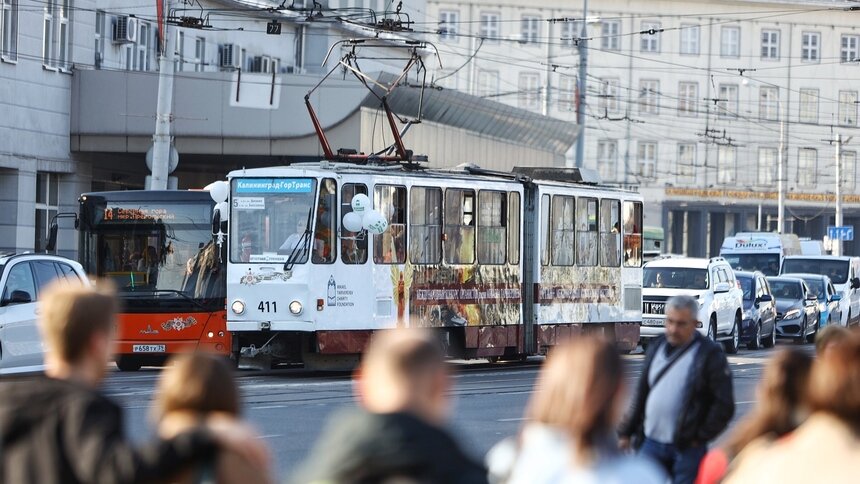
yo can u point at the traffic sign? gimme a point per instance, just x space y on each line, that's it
845 232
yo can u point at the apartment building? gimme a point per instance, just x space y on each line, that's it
684 99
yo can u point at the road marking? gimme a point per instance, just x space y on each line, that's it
270 436
518 419
268 407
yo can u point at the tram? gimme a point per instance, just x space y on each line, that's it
502 265
157 247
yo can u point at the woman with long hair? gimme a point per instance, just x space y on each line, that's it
570 434
780 408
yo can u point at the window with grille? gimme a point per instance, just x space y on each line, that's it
570 32
448 25
529 90
767 166
688 93
530 29
770 44
807 159
610 35
810 47
726 168
808 106
609 99
647 158
649 92
730 41
607 159
848 52
490 27
727 104
848 108
686 163
689 39
650 42
768 107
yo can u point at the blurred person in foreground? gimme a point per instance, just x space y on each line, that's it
570 436
398 436
60 428
780 408
197 386
829 337
825 447
684 398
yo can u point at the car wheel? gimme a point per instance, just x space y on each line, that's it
733 343
810 338
755 342
802 337
712 330
770 342
128 363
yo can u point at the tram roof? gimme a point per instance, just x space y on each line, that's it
150 195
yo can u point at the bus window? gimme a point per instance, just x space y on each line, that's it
544 230
425 225
586 232
459 226
514 228
610 233
632 234
352 251
562 230
492 243
325 249
389 247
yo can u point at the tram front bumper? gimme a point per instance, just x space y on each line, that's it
256 326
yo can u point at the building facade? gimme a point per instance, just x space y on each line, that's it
687 100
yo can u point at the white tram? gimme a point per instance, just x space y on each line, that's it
503 264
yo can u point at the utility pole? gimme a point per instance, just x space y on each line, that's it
780 179
580 86
837 251
161 141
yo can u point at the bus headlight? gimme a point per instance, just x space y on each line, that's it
238 307
296 308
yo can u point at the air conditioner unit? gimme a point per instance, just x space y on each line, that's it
230 56
125 30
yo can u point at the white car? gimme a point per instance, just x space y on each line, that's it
22 276
711 281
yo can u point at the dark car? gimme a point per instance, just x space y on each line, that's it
758 327
828 299
797 311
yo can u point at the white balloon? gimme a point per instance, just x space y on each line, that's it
352 222
360 203
219 191
224 209
374 222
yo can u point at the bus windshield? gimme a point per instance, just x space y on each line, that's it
271 219
836 269
767 264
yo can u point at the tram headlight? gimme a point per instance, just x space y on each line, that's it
238 307
296 308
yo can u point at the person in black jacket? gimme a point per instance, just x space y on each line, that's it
684 398
59 429
397 437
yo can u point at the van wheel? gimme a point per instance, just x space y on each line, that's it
755 342
734 342
128 363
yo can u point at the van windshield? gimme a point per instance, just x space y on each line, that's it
768 264
836 269
675 278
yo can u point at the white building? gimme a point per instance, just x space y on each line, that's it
684 99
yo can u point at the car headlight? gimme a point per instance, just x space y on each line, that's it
794 313
238 307
296 308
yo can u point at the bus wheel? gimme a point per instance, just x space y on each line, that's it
128 363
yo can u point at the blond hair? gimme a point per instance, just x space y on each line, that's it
70 314
197 382
406 356
835 381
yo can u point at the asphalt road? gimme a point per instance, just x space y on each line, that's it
290 407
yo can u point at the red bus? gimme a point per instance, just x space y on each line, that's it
157 247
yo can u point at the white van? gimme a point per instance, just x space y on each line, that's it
844 272
812 247
759 251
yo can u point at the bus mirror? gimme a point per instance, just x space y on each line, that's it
52 238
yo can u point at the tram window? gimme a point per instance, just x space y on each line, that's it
586 232
492 232
389 247
425 225
514 228
563 233
352 250
325 233
632 234
544 230
459 226
610 233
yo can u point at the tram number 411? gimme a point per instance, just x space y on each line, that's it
268 307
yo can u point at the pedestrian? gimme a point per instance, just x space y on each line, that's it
194 387
829 337
831 433
780 408
684 397
570 434
60 428
397 436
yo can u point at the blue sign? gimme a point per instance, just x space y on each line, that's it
845 232
274 185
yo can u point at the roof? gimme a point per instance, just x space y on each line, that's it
785 278
688 262
479 115
821 257
806 276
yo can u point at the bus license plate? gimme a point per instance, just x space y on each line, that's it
652 322
149 348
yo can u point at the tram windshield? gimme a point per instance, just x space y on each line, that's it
157 253
271 219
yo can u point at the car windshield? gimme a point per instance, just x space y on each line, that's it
816 286
836 269
786 289
767 264
675 278
747 286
